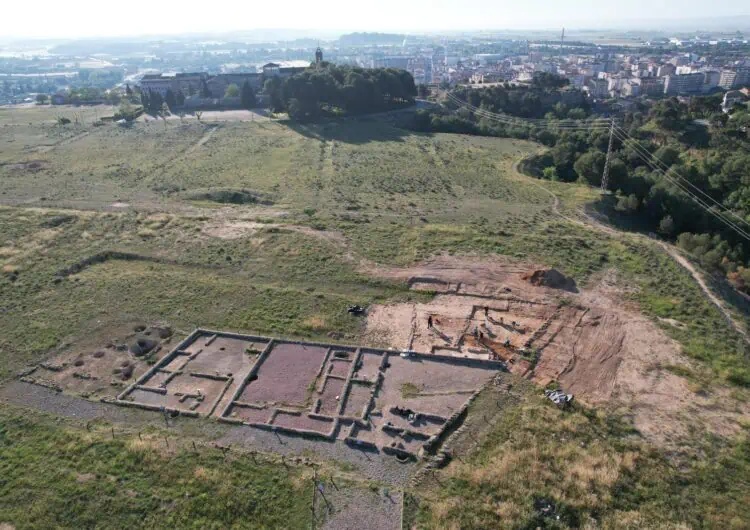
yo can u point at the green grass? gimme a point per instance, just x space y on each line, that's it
410 390
52 476
290 285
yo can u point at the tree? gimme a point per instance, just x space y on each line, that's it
126 111
561 110
294 108
577 113
180 98
163 113
232 91
41 99
114 97
666 226
627 204
247 96
205 92
546 80
670 114
157 103
272 87
145 101
169 100
128 91
564 155
550 173
590 166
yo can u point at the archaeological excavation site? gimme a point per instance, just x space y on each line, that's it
395 402
402 398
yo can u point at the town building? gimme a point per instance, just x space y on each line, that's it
649 86
598 87
734 78
675 85
218 84
666 69
188 83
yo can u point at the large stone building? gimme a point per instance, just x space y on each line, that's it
188 83
216 85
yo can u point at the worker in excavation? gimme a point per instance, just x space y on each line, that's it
429 321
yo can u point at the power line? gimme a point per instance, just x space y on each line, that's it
599 123
622 135
533 122
653 162
669 169
692 196
605 175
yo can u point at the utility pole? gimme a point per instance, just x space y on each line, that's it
562 38
605 176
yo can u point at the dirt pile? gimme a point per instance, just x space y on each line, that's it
549 278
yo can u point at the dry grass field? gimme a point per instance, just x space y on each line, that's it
272 228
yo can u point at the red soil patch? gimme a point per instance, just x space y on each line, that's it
359 396
285 375
223 356
340 367
304 422
156 380
369 366
328 403
250 415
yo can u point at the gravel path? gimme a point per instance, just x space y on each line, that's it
373 465
359 509
47 400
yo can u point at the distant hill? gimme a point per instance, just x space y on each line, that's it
364 39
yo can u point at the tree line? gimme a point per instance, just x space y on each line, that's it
697 140
153 102
336 90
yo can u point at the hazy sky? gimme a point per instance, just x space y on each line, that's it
86 18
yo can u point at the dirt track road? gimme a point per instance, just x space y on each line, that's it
669 249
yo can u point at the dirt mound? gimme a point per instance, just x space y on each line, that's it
550 278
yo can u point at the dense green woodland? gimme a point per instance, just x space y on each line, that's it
713 155
336 90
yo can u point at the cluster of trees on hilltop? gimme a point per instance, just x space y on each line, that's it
713 155
543 97
332 89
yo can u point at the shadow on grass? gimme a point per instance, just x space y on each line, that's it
348 131
604 211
